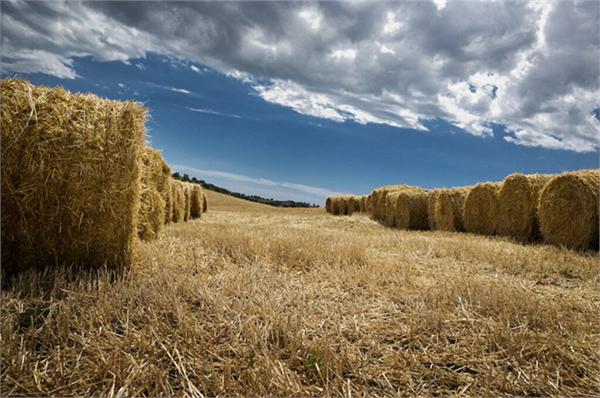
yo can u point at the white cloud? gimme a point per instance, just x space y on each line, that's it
179 90
384 62
211 112
195 68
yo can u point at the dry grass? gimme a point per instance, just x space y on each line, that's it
254 300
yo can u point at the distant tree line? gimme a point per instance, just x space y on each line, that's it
252 198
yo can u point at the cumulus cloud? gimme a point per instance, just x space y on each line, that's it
531 67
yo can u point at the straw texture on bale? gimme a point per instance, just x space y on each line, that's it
363 204
411 209
353 204
480 213
169 203
389 218
328 205
204 203
178 200
379 200
369 207
154 189
448 209
518 205
339 206
431 203
187 195
152 215
568 210
70 177
196 201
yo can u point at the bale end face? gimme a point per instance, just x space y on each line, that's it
411 209
518 206
480 211
568 210
448 209
196 204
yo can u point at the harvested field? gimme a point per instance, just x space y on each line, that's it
254 301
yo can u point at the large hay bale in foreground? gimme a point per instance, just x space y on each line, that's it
480 213
156 175
411 209
518 205
178 200
431 204
196 201
70 177
568 210
448 209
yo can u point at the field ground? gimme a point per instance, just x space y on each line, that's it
252 300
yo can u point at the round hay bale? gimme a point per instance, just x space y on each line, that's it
480 213
518 205
204 203
353 204
411 209
178 201
568 210
328 205
448 209
343 206
369 207
337 205
196 201
379 200
169 203
187 195
363 204
389 218
70 178
152 215
431 203
155 179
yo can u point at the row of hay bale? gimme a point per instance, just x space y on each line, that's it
345 205
558 209
79 184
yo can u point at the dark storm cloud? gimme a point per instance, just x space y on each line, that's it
372 62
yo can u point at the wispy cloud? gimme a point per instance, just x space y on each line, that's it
211 112
179 90
316 192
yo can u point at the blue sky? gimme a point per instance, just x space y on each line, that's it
278 132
